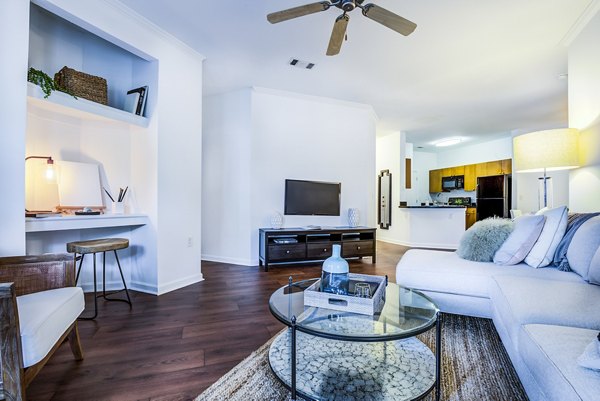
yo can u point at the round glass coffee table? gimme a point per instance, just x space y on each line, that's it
331 355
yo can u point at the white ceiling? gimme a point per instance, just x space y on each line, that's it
478 69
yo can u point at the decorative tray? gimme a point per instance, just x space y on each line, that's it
349 303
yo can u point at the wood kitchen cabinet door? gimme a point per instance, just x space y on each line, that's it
458 170
480 170
507 166
493 168
470 178
471 216
447 172
435 181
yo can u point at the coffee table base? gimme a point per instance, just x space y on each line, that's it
341 370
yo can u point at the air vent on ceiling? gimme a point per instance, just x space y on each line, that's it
294 62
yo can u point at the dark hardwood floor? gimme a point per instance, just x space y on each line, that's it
174 346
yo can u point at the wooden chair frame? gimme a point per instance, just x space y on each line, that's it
22 275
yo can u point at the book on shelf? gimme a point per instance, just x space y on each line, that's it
136 100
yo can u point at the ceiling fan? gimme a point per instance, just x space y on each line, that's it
372 11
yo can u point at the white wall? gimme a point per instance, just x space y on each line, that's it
422 163
14 37
584 114
291 136
226 177
497 149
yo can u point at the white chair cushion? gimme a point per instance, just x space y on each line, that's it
44 317
554 230
519 243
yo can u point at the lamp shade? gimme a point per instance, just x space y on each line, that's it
555 149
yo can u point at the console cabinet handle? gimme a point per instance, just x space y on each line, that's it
358 247
287 251
324 249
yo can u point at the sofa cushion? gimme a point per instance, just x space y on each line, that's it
594 273
480 242
583 247
554 229
526 300
550 352
43 319
519 243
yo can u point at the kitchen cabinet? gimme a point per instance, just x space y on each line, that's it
470 178
447 172
507 166
493 168
458 170
471 216
435 181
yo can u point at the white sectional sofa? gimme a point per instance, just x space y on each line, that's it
545 317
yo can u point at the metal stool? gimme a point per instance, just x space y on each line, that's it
95 246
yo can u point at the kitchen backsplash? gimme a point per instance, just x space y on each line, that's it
442 197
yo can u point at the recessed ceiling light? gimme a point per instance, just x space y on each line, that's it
447 142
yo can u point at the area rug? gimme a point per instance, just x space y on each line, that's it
475 368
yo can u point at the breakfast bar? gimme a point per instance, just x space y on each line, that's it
439 227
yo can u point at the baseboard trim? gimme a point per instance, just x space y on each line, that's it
177 284
419 244
228 260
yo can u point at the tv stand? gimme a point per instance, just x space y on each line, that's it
297 245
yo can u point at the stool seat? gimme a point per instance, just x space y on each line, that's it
97 245
100 246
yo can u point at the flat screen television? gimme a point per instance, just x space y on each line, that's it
312 198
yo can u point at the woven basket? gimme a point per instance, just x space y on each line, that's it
83 85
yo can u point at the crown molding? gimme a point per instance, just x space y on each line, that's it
586 16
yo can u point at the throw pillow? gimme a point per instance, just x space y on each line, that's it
591 355
526 232
480 242
594 272
583 247
554 229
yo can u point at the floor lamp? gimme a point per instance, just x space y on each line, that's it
544 151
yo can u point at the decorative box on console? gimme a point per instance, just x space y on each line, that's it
349 303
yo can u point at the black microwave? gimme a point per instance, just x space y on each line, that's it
454 182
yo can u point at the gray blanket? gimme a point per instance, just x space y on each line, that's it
575 221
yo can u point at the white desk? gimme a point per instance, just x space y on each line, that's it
33 224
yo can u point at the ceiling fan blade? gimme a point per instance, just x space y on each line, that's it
337 35
296 12
389 19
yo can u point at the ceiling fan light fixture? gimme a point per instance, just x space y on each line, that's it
348 5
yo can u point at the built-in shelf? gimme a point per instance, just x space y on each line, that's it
33 225
61 103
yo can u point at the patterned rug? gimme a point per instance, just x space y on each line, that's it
475 368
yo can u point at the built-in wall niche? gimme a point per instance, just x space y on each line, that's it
55 42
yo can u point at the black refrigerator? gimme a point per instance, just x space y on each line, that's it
494 196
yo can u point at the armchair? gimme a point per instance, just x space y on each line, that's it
39 306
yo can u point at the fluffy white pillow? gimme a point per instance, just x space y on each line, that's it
518 245
542 252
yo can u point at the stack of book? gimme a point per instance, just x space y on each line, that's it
136 100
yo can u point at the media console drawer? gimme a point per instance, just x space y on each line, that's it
319 250
287 252
357 248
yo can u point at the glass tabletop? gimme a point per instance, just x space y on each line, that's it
405 313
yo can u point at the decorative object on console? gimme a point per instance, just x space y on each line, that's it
50 173
334 278
519 243
544 151
276 220
480 242
82 85
542 253
135 102
353 217
384 215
